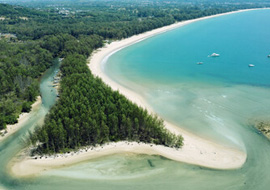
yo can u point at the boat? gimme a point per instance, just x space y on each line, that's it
251 65
214 55
268 56
199 63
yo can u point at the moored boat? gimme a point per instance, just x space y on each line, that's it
214 55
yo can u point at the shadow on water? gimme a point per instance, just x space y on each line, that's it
150 163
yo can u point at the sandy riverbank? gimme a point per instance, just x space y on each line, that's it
196 150
11 129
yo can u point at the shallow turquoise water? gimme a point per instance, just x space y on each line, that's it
208 99
216 100
240 39
13 144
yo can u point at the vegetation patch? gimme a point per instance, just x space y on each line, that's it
89 113
264 127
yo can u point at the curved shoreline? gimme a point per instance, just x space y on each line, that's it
219 157
196 150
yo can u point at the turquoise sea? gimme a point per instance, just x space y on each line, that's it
215 98
219 100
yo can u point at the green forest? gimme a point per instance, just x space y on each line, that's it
21 65
88 112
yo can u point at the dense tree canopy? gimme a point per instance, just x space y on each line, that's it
88 112
21 64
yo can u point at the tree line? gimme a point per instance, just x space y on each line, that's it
88 112
21 65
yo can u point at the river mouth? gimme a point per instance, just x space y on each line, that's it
137 172
11 146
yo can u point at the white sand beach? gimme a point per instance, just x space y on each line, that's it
196 150
11 129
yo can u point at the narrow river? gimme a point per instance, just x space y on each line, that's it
215 100
13 144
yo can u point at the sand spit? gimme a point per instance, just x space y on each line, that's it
196 150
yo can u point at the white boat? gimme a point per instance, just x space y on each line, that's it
268 56
251 65
199 63
214 55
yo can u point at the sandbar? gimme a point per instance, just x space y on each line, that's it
196 150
